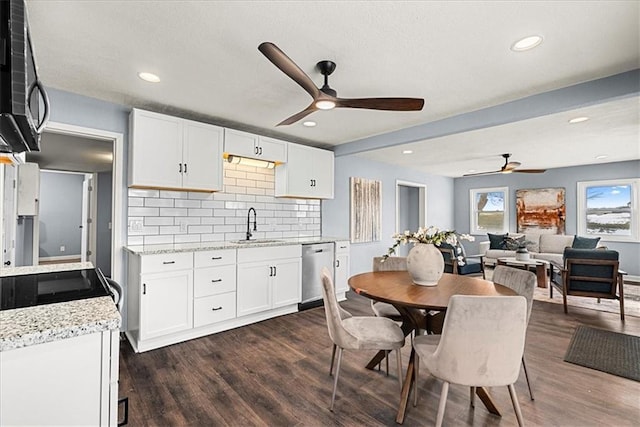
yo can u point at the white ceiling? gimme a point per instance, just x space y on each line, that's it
455 55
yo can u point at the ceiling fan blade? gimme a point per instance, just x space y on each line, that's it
482 173
304 113
287 66
393 104
530 170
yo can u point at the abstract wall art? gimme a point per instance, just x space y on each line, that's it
541 210
366 207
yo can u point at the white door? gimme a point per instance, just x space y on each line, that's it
166 303
323 174
202 156
342 273
286 282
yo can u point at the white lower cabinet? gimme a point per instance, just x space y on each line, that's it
166 303
341 268
269 278
72 381
179 296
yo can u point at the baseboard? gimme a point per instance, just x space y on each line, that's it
631 280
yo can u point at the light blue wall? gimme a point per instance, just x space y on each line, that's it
60 214
562 177
335 213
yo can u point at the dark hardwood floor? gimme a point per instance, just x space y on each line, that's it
275 373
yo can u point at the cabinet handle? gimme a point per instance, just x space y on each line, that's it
337 263
168 262
185 168
343 247
216 257
216 280
179 167
313 182
275 271
216 308
144 289
255 150
260 150
270 271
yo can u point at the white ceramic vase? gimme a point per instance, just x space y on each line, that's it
522 254
425 264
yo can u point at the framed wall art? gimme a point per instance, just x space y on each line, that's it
541 210
366 206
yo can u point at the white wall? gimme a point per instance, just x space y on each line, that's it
335 212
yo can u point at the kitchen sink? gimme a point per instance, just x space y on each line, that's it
248 242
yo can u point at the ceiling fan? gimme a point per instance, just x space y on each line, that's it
508 167
325 98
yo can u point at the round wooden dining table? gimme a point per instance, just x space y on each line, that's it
411 300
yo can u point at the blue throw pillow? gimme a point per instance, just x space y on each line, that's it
497 241
585 242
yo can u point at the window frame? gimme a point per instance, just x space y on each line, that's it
473 213
635 209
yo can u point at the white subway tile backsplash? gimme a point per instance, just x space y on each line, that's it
173 212
159 203
221 216
184 203
158 220
136 201
137 192
135 211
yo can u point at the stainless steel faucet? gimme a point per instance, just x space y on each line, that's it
255 221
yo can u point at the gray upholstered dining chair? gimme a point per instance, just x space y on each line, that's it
357 332
524 283
481 345
393 263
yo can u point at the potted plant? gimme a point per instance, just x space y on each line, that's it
520 246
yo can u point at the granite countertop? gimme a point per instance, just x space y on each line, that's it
22 327
206 246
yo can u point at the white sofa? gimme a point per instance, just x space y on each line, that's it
547 247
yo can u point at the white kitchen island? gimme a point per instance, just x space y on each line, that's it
59 362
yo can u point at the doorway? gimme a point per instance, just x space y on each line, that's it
411 209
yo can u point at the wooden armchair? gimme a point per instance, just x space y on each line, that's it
590 273
456 262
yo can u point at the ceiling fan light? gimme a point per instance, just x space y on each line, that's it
407 152
246 161
309 124
325 105
526 43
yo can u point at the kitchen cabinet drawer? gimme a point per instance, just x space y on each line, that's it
166 262
214 280
214 258
214 309
342 247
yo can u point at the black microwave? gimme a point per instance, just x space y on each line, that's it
24 105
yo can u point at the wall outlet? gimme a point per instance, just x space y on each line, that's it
135 225
62 248
183 226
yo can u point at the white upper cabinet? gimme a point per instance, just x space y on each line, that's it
246 144
169 152
308 173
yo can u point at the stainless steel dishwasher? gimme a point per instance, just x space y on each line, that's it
314 258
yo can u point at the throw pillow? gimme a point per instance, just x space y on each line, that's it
496 241
585 242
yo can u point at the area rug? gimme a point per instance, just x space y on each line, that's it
606 351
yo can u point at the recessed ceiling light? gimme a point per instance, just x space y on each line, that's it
526 43
407 151
309 123
149 77
578 120
601 156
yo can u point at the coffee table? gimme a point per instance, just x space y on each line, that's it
540 266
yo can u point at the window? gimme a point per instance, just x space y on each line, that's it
489 210
609 209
